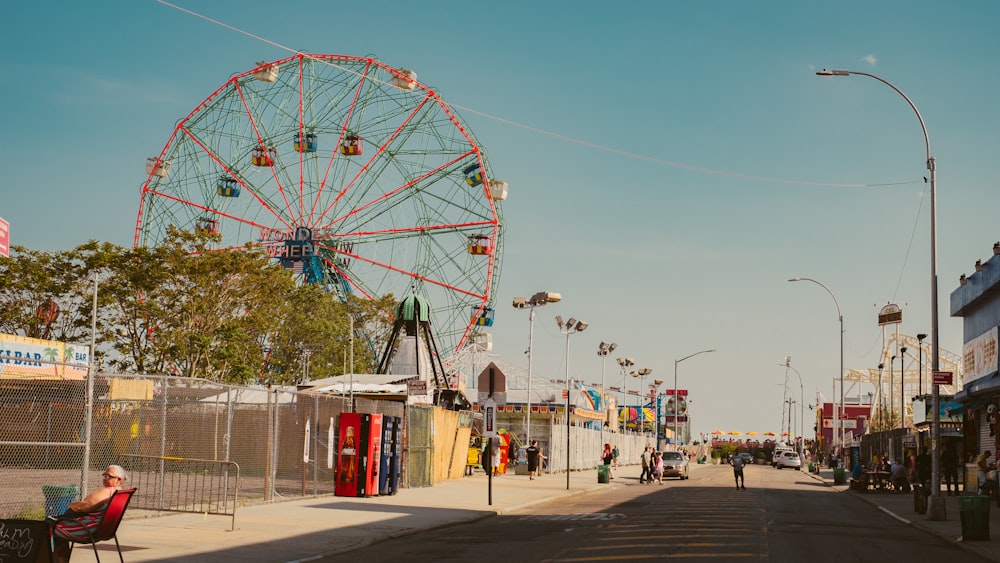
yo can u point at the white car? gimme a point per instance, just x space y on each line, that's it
788 459
777 454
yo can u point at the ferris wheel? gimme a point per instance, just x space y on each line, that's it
347 171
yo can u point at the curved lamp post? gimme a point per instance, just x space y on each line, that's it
642 373
935 507
788 366
677 403
572 326
836 412
536 300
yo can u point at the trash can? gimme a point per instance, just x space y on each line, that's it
812 467
58 497
839 478
975 514
603 473
919 499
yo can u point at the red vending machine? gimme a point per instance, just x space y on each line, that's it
358 454
371 453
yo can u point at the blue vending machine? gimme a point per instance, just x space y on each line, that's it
389 474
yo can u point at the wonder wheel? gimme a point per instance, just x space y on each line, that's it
347 171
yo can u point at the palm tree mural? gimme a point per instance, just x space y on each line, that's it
52 355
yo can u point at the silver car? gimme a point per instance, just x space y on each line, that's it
789 459
675 465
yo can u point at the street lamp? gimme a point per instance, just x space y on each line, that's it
572 326
788 366
902 382
655 386
625 363
677 403
536 300
935 507
641 374
603 349
920 363
840 318
892 405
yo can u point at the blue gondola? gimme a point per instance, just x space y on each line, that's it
309 145
228 187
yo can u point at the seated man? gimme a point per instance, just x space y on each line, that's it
112 480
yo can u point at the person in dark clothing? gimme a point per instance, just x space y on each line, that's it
949 467
924 469
535 457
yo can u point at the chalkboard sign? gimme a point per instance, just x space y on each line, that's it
24 541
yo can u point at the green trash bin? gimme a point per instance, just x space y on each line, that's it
812 467
58 497
975 514
603 473
839 477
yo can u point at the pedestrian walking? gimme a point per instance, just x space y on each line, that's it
607 457
657 463
646 476
737 463
535 458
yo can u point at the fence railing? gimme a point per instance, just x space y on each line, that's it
176 484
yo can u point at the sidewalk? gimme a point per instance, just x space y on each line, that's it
900 507
304 529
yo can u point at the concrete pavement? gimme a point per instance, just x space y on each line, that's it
901 507
306 529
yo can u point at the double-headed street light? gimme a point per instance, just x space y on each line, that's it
677 403
536 300
641 374
935 507
572 326
603 349
625 363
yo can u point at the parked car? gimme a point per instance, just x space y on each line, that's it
777 454
746 457
675 465
789 459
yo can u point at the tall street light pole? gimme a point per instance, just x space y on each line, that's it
677 403
836 414
536 300
902 382
572 326
788 366
641 374
625 363
936 505
603 349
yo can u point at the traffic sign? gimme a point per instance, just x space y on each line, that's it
943 378
490 418
492 383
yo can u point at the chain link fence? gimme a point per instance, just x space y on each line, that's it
281 439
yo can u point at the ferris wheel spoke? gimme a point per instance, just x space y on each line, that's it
262 145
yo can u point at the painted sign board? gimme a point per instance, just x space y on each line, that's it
34 358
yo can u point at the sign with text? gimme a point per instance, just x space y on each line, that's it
20 540
680 392
891 314
490 418
416 387
979 356
943 378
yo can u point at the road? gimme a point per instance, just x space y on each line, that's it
783 516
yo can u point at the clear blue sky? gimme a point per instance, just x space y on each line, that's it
671 164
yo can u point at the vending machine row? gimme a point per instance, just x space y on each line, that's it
368 455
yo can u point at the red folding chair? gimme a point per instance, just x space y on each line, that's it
94 527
